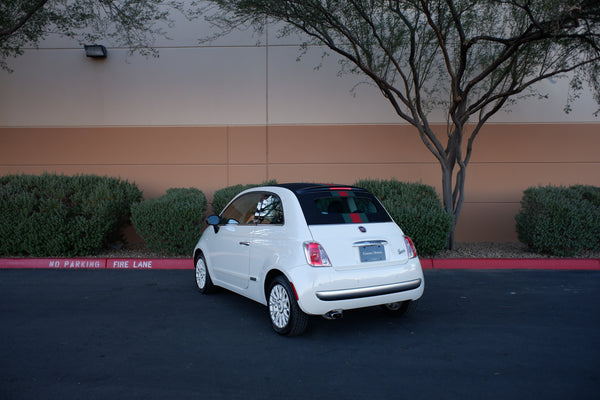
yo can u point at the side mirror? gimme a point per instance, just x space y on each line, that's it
214 220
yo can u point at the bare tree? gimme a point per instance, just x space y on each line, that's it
130 23
466 57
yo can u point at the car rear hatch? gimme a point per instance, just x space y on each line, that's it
356 246
352 226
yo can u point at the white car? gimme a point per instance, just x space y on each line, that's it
307 249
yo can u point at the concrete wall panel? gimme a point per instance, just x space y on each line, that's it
487 222
187 86
543 142
247 145
347 144
122 146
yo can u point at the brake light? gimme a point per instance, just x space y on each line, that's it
315 255
410 247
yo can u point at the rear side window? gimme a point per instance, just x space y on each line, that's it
269 210
341 207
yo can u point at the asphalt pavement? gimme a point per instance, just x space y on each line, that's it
126 334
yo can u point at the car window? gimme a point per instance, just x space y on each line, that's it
242 210
341 207
254 208
269 210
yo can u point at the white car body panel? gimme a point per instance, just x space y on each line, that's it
230 264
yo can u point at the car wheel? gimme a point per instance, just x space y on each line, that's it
399 308
286 316
203 281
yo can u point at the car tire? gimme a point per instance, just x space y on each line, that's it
203 280
286 316
400 308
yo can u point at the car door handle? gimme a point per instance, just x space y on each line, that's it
245 243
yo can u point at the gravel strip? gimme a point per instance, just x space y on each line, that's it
500 250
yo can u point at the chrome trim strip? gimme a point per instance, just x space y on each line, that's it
369 242
345 294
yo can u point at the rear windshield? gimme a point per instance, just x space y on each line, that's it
341 207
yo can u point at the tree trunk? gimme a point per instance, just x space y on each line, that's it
447 198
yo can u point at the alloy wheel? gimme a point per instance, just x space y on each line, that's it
200 273
279 306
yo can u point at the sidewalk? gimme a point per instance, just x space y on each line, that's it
187 263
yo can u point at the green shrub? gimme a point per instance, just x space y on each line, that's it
171 224
222 197
417 209
560 221
383 189
58 215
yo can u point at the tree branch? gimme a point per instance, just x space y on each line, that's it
11 30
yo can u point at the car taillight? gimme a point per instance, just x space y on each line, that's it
410 247
315 255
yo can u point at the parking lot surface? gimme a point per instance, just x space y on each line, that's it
112 334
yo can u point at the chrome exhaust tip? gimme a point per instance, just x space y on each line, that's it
334 314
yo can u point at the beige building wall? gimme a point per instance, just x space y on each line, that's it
242 109
508 159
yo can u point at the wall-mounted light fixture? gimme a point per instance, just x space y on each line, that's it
95 51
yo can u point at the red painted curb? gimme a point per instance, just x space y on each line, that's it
589 264
96 263
513 263
149 263
53 263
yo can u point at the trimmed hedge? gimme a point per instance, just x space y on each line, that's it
171 224
57 215
222 197
560 221
417 209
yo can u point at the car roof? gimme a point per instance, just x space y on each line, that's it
301 188
331 204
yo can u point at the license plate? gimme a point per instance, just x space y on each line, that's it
371 253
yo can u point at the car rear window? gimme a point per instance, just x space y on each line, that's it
331 206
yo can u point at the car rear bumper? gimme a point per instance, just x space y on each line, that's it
321 290
357 293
